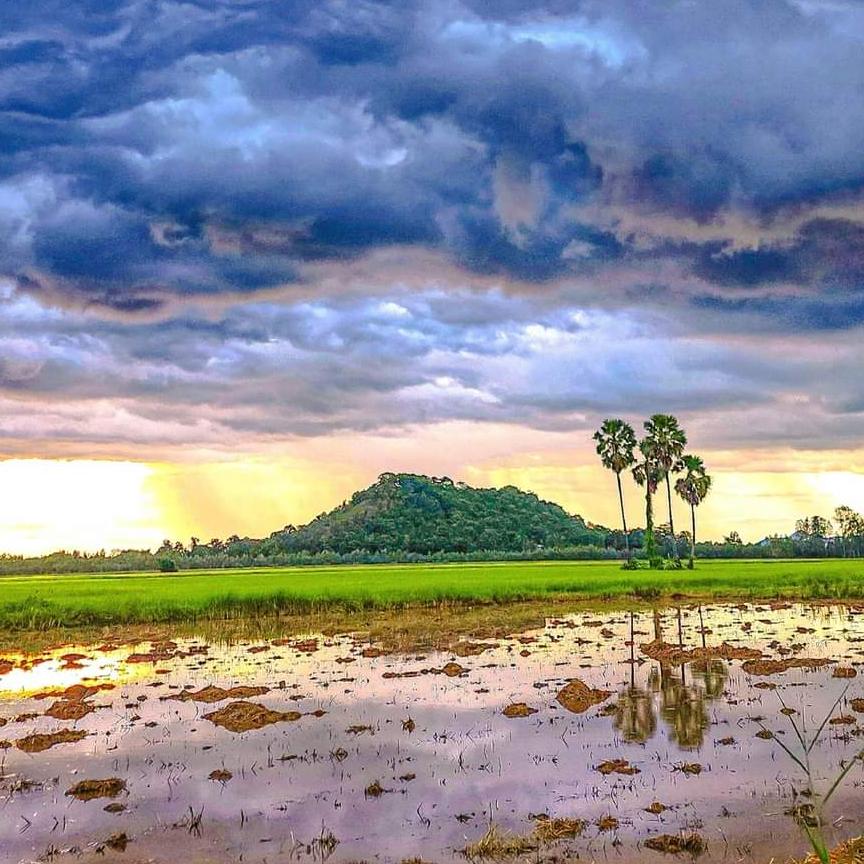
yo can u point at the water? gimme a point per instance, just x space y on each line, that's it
446 757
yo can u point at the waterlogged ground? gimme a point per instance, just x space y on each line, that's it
361 754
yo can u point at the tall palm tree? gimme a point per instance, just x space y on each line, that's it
616 443
647 473
665 440
693 488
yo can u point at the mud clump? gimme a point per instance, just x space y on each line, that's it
63 710
616 766
578 697
41 742
220 775
675 844
857 705
472 649
656 808
88 790
844 672
210 695
452 670
675 655
247 716
607 823
518 709
776 667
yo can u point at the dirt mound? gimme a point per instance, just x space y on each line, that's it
63 710
844 672
472 649
519 709
246 716
776 667
578 697
210 695
41 742
674 655
88 790
616 766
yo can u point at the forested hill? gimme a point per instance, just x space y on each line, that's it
414 513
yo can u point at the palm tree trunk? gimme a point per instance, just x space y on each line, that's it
623 515
650 546
671 523
692 535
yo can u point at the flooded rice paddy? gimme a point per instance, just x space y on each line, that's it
589 738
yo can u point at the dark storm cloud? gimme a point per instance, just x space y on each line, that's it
373 124
194 196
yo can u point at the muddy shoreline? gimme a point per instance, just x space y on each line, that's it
555 729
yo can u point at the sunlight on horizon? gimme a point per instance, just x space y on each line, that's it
90 504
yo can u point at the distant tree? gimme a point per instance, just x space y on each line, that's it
814 526
693 488
616 445
851 527
733 538
665 442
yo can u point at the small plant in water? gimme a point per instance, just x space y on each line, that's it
811 816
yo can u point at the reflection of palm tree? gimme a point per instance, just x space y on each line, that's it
713 674
634 715
683 709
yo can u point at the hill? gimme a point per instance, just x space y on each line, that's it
418 514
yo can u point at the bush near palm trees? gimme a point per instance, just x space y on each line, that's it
652 461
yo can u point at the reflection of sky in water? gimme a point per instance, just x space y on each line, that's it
468 759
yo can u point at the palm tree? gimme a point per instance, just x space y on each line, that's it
693 488
647 473
616 443
665 440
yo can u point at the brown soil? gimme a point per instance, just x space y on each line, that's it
844 672
857 705
63 710
88 790
656 808
617 766
210 695
519 709
675 655
220 775
578 697
607 823
39 743
472 649
245 716
775 667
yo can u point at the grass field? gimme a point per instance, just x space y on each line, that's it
40 602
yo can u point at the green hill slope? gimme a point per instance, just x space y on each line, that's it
414 513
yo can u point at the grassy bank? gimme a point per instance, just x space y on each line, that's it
40 602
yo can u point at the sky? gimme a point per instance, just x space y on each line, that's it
254 253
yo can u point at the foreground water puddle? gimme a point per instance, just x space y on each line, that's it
601 736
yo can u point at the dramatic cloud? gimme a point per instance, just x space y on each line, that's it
251 219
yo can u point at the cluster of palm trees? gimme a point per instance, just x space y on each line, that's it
652 461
